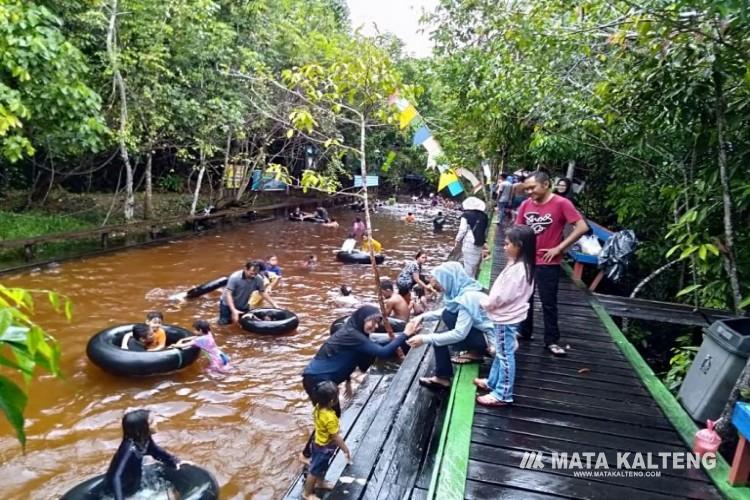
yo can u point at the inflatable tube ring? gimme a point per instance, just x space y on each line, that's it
280 321
104 351
358 257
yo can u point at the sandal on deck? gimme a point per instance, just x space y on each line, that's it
465 359
432 384
489 401
556 350
481 383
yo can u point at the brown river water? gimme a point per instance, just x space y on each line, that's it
245 426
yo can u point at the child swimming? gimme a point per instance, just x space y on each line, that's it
204 340
123 477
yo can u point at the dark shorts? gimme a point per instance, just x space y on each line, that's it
225 314
321 459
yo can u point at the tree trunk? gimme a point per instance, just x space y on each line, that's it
730 262
724 426
148 203
226 164
119 85
198 184
571 170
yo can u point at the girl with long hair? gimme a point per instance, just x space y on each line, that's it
507 306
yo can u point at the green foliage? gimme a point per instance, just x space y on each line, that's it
629 90
679 364
171 182
23 347
44 98
27 225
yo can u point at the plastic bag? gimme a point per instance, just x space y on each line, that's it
617 254
590 245
707 440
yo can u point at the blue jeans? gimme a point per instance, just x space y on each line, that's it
474 341
225 314
503 371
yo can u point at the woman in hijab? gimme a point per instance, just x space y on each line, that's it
563 188
472 233
346 350
467 322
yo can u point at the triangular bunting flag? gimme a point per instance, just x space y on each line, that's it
475 184
407 115
401 103
422 134
432 146
447 178
456 188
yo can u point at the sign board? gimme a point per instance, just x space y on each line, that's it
372 181
267 183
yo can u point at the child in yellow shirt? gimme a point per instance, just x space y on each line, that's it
376 246
327 439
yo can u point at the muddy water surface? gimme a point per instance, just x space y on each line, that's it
245 426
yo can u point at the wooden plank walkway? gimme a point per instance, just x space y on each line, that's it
589 401
667 312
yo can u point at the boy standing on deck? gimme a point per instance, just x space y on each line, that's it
547 214
327 439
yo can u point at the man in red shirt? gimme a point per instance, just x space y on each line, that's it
547 214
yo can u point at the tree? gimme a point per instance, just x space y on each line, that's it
44 99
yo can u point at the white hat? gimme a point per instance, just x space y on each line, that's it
473 203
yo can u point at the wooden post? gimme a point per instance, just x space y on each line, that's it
105 239
597 280
578 270
28 252
740 470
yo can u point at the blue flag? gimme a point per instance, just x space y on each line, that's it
455 188
421 135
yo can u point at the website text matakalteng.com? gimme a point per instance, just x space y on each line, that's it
616 473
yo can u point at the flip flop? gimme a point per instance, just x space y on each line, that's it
464 359
481 384
556 350
432 385
484 401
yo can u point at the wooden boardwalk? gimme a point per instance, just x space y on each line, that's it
592 400
410 443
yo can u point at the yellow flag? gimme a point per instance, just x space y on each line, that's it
446 178
407 115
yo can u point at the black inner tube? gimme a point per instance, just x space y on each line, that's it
104 351
190 481
206 287
358 257
279 321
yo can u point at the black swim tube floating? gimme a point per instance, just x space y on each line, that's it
104 351
206 288
358 257
190 481
281 321
307 218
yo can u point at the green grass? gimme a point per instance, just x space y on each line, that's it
27 225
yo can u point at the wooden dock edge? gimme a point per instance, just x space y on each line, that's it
448 480
672 409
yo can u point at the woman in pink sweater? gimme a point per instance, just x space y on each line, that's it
507 306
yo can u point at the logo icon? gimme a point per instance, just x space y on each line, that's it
532 460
